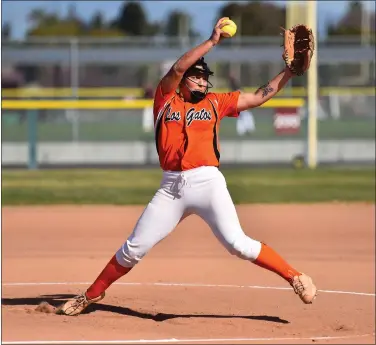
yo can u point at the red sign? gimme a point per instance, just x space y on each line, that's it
286 121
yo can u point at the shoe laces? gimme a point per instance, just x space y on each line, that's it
80 300
298 286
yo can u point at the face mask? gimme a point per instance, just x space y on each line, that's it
197 95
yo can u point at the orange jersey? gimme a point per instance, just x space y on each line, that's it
186 134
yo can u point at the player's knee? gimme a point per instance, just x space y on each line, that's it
130 254
245 248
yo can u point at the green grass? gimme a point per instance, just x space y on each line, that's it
123 187
132 130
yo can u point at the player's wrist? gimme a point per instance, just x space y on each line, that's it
288 72
210 42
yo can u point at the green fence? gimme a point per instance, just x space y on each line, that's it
346 120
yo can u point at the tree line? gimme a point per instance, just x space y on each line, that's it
255 18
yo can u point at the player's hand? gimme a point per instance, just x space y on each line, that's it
217 31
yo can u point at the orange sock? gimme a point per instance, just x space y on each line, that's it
112 272
270 260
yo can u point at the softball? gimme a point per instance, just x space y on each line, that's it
229 29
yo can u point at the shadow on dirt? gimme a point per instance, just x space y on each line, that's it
58 299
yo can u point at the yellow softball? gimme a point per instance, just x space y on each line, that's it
229 29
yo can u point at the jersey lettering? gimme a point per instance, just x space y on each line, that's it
201 115
175 116
186 134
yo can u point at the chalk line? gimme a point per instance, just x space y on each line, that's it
188 285
176 340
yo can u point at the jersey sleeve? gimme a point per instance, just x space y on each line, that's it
160 100
228 104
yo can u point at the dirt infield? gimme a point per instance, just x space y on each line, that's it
188 287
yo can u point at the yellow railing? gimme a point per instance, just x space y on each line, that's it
120 104
138 92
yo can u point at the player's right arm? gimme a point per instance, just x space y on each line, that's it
171 80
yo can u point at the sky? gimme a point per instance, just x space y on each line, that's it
203 12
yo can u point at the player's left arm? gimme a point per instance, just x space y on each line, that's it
250 100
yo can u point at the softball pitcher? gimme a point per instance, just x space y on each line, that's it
186 123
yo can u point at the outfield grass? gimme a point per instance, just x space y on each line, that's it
138 186
132 130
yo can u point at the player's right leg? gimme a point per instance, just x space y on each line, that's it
158 220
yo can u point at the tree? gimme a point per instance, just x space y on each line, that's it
179 24
132 19
153 29
60 28
97 21
351 22
37 16
104 32
72 13
51 25
97 27
256 18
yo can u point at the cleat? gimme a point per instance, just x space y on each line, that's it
77 305
304 287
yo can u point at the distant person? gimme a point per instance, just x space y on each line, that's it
147 114
12 79
148 91
245 123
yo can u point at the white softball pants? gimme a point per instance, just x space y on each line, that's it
201 191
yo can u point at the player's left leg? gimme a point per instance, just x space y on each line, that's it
220 214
